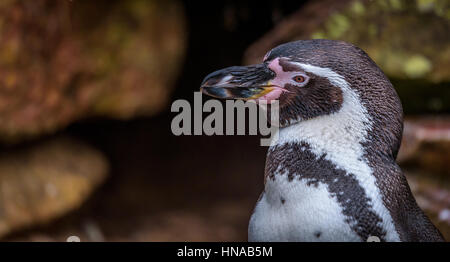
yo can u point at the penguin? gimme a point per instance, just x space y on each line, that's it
332 174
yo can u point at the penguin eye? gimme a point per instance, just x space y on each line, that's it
299 79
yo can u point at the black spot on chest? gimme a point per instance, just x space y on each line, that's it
300 163
317 234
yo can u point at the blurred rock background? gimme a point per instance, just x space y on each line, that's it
85 93
67 60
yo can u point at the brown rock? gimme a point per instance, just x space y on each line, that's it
46 180
298 26
426 144
433 196
65 60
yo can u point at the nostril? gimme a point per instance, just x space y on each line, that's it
214 77
217 81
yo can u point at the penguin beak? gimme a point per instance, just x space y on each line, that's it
239 82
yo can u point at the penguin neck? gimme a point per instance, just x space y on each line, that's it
339 136
330 151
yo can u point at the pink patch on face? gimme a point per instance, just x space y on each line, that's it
278 82
272 95
281 77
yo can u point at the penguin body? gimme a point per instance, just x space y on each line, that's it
298 212
331 173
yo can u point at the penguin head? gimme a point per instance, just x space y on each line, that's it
317 79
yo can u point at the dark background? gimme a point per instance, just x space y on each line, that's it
185 186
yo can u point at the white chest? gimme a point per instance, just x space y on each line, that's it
295 211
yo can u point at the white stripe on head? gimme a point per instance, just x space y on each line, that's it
340 136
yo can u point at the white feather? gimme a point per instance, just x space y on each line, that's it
308 214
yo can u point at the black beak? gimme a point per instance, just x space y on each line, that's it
238 82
